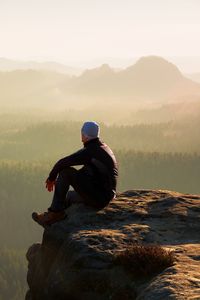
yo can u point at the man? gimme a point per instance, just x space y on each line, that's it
94 184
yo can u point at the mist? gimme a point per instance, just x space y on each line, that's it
131 66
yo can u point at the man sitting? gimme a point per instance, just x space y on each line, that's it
94 184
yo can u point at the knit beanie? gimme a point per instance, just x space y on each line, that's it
90 129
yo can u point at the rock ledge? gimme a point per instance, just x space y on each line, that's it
75 259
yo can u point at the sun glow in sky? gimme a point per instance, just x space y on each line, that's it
83 30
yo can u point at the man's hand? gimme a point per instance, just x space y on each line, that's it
50 185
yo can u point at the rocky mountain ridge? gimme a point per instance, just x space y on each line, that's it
150 79
8 65
75 259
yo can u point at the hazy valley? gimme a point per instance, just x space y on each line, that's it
149 114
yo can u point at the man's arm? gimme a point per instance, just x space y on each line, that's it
80 157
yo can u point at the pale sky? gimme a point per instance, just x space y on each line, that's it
82 30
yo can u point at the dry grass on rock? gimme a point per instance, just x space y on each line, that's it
145 260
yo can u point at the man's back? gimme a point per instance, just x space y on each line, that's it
101 164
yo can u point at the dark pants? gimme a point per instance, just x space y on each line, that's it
86 190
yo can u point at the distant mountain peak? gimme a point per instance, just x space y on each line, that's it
152 59
155 64
103 70
155 60
105 67
154 70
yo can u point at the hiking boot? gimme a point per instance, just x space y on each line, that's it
48 218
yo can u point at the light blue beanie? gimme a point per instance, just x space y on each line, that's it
90 129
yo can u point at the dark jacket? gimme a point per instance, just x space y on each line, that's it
98 162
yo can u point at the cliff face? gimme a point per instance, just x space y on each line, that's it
75 260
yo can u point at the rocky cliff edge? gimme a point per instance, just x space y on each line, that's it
75 260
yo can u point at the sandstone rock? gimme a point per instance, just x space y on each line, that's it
76 257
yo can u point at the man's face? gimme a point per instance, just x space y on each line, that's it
83 138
